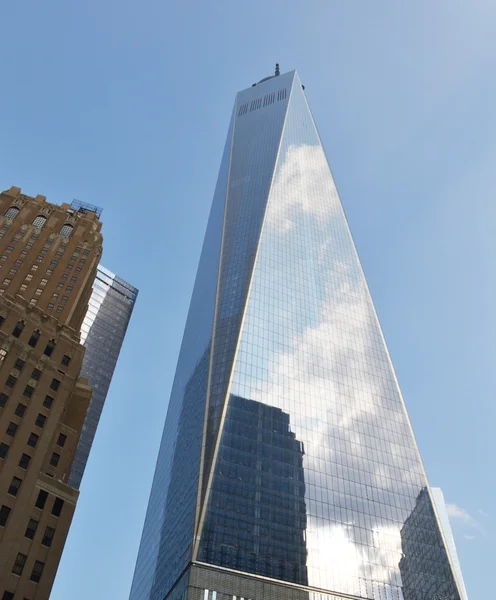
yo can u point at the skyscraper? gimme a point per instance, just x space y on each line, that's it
442 511
48 260
102 334
281 316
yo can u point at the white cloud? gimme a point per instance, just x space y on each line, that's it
470 537
456 512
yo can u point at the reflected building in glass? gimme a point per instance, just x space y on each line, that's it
288 468
102 334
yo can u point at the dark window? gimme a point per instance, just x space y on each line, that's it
49 348
11 381
36 374
31 529
33 340
37 571
8 596
11 213
2 319
48 537
82 261
18 329
3 399
64 299
4 515
86 252
19 364
15 484
73 279
59 286
55 385
61 440
25 460
19 564
66 360
28 391
40 421
3 354
65 276
54 263
20 409
57 507
41 500
33 439
4 449
47 402
69 267
11 429
54 460
78 269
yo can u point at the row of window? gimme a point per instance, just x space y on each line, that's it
30 529
37 571
39 221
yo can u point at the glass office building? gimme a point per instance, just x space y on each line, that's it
288 468
102 334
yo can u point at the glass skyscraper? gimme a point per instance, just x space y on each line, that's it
102 334
288 468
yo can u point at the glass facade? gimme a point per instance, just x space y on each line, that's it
291 449
102 334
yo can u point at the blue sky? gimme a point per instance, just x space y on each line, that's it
126 105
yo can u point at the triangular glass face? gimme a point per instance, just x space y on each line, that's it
170 518
317 478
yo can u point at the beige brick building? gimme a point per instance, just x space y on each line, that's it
48 260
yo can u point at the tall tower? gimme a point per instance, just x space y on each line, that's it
48 260
102 334
319 494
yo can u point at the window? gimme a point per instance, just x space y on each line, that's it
59 309
73 279
64 276
50 306
43 282
31 529
55 385
33 440
63 245
18 263
58 254
54 263
73 258
45 249
23 254
86 252
37 571
66 360
66 230
11 213
77 250
38 291
34 267
48 537
15 484
49 271
20 410
57 507
82 261
20 561
40 421
11 429
11 381
69 268
64 299
29 276
28 391
60 286
39 221
24 461
23 287
36 374
18 329
8 595
54 460
9 249
33 340
55 296
3 399
19 364
4 515
61 440
12 271
39 258
4 450
3 354
33 302
49 348
6 281
3 257
47 402
41 500
2 319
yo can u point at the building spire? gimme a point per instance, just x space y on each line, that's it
277 70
